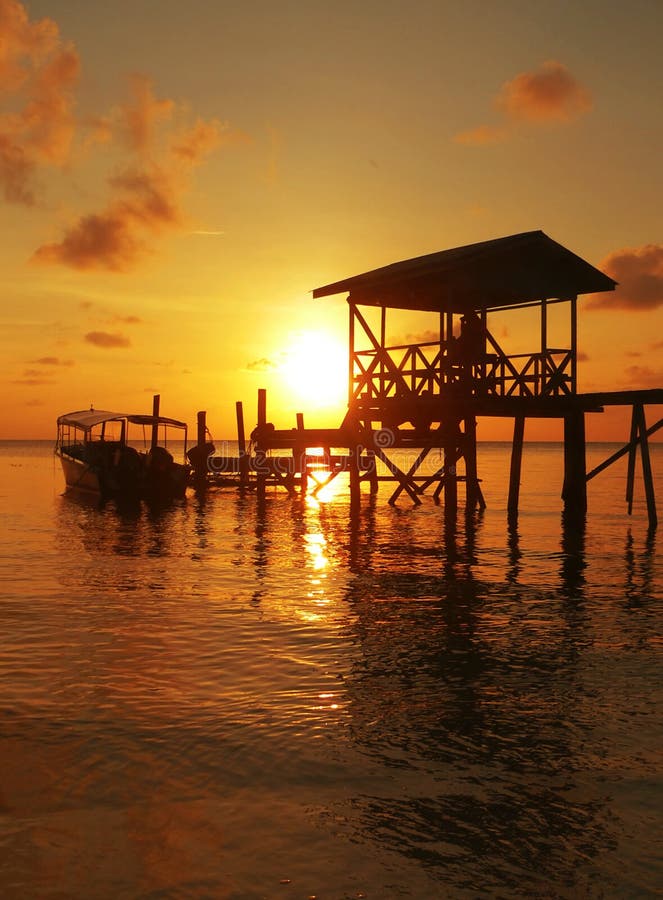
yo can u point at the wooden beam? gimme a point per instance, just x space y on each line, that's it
410 473
624 450
398 475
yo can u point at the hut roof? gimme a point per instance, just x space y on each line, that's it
508 271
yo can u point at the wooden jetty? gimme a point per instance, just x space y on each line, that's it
427 395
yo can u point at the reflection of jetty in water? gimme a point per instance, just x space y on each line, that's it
474 691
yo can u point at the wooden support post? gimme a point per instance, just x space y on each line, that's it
155 424
630 470
351 352
574 491
574 345
241 445
299 455
353 467
470 454
372 472
516 465
199 456
261 468
646 466
450 478
544 349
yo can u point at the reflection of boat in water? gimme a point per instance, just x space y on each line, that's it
97 458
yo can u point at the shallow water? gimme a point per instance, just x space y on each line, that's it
230 699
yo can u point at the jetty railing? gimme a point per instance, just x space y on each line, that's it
425 369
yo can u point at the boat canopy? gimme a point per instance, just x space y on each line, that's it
86 419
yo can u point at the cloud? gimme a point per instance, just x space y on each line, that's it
145 201
421 337
633 354
481 135
547 95
52 361
639 271
262 365
583 357
644 376
106 339
33 381
38 74
129 320
140 115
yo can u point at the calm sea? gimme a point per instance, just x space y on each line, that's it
296 699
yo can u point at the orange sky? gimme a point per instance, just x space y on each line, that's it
177 177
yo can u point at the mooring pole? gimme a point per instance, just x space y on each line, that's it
241 445
260 455
574 491
299 455
353 466
471 472
646 466
450 478
516 465
156 400
199 458
630 470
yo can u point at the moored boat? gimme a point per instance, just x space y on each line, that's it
98 455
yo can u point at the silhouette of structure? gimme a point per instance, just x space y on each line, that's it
427 395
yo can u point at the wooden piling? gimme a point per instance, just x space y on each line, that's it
647 476
372 472
260 454
156 400
472 492
353 468
241 445
199 456
630 469
516 465
450 478
299 455
574 491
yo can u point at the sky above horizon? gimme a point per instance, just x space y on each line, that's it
177 178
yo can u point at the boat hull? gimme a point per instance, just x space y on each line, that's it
79 476
121 483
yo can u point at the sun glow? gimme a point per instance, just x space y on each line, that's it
315 369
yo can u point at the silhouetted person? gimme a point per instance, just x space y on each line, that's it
471 345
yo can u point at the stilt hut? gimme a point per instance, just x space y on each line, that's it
428 394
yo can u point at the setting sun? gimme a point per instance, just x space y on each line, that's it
315 369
